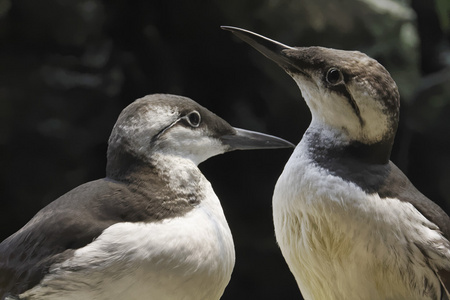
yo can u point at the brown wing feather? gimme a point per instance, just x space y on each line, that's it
76 219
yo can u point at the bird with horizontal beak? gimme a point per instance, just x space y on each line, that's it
349 223
152 229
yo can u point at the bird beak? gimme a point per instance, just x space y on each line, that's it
271 49
249 140
244 139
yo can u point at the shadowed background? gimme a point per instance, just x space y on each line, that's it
67 69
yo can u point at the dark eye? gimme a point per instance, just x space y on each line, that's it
194 118
334 76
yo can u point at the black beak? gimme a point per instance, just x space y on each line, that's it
271 49
248 140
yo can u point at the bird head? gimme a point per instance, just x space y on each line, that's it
170 125
347 92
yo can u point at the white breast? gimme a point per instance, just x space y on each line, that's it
341 243
189 257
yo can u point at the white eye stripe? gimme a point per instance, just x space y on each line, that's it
165 129
193 119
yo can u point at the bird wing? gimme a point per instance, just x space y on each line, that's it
389 182
68 223
397 185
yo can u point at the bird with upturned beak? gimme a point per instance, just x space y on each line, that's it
349 223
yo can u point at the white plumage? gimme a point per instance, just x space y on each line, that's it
334 236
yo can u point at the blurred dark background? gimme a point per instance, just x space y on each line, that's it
67 69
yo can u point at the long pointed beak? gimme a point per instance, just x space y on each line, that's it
250 140
271 49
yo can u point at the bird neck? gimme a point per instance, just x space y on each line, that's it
181 175
123 165
329 145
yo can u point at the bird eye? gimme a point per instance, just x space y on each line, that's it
194 118
334 76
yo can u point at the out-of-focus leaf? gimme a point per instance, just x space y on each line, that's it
443 12
5 5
